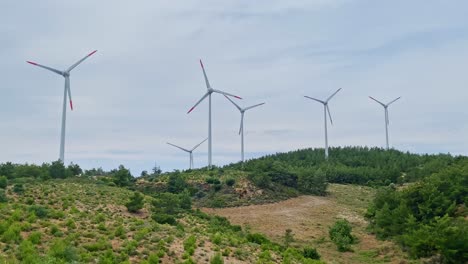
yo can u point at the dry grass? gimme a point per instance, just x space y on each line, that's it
309 217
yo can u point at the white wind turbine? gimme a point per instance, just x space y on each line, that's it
241 128
325 110
67 91
208 93
189 151
387 121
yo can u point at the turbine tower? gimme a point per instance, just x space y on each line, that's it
208 93
241 128
189 151
385 106
67 91
325 110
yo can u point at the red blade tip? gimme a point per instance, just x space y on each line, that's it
237 97
71 105
190 110
92 53
30 62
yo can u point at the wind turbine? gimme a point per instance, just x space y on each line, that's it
385 106
325 110
241 128
208 93
189 151
67 91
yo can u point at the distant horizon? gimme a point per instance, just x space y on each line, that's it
137 171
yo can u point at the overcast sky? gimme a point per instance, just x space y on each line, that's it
132 96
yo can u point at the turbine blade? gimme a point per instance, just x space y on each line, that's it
204 74
320 101
253 106
199 144
329 114
228 94
332 95
67 86
377 101
393 101
238 107
178 147
199 101
45 67
80 61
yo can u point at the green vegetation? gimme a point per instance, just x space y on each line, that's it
136 202
428 217
54 213
340 234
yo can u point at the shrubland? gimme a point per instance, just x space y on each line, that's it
54 213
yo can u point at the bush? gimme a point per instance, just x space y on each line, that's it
3 182
122 176
3 197
164 219
136 202
18 188
27 252
39 211
12 234
310 253
312 183
230 182
176 183
340 234
212 180
257 238
35 237
217 259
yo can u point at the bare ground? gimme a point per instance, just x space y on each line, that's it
309 218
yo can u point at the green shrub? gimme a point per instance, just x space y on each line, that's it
35 237
12 234
257 239
27 252
310 253
230 182
164 219
39 211
136 202
190 244
288 237
3 197
120 232
153 259
3 182
340 234
62 250
217 187
212 180
217 259
18 188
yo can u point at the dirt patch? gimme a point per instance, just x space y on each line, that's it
309 218
300 214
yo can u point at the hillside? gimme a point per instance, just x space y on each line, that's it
61 221
310 217
362 206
